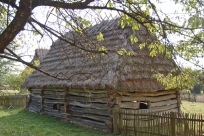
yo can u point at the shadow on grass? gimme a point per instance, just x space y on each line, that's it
19 122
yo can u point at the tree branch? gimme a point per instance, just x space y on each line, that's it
12 3
57 4
16 25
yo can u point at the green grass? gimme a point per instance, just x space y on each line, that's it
192 107
18 122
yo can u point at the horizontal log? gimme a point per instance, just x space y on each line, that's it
89 110
88 95
164 108
88 122
55 89
85 99
89 91
91 116
89 105
53 92
163 103
152 99
36 96
89 88
53 101
60 115
34 109
55 97
130 105
122 93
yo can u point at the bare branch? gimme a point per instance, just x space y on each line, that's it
57 4
16 25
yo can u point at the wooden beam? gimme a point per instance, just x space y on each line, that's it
89 105
152 99
88 95
167 92
163 103
89 111
85 99
130 105
164 108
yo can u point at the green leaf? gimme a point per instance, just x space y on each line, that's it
100 37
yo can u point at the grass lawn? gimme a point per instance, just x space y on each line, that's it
192 107
18 122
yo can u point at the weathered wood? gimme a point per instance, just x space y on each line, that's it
37 109
85 99
129 105
89 110
152 99
53 101
89 91
90 116
163 103
36 96
164 108
54 97
89 122
88 95
53 93
89 105
125 93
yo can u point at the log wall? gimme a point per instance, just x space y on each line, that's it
94 107
49 100
35 102
90 107
167 101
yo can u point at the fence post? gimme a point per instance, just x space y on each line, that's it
173 123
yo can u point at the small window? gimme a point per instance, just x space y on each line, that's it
143 105
55 106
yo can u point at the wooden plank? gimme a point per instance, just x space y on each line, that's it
122 93
88 122
85 99
164 108
89 91
152 99
53 101
163 103
88 95
89 105
53 92
89 110
130 105
91 116
54 97
36 96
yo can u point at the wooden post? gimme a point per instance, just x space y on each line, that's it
178 100
173 123
66 106
42 100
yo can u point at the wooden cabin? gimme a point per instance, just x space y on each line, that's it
88 84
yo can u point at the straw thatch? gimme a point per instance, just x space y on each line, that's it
39 54
120 72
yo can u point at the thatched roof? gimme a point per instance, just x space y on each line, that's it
39 54
121 72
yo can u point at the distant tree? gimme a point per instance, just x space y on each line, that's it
197 88
15 80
